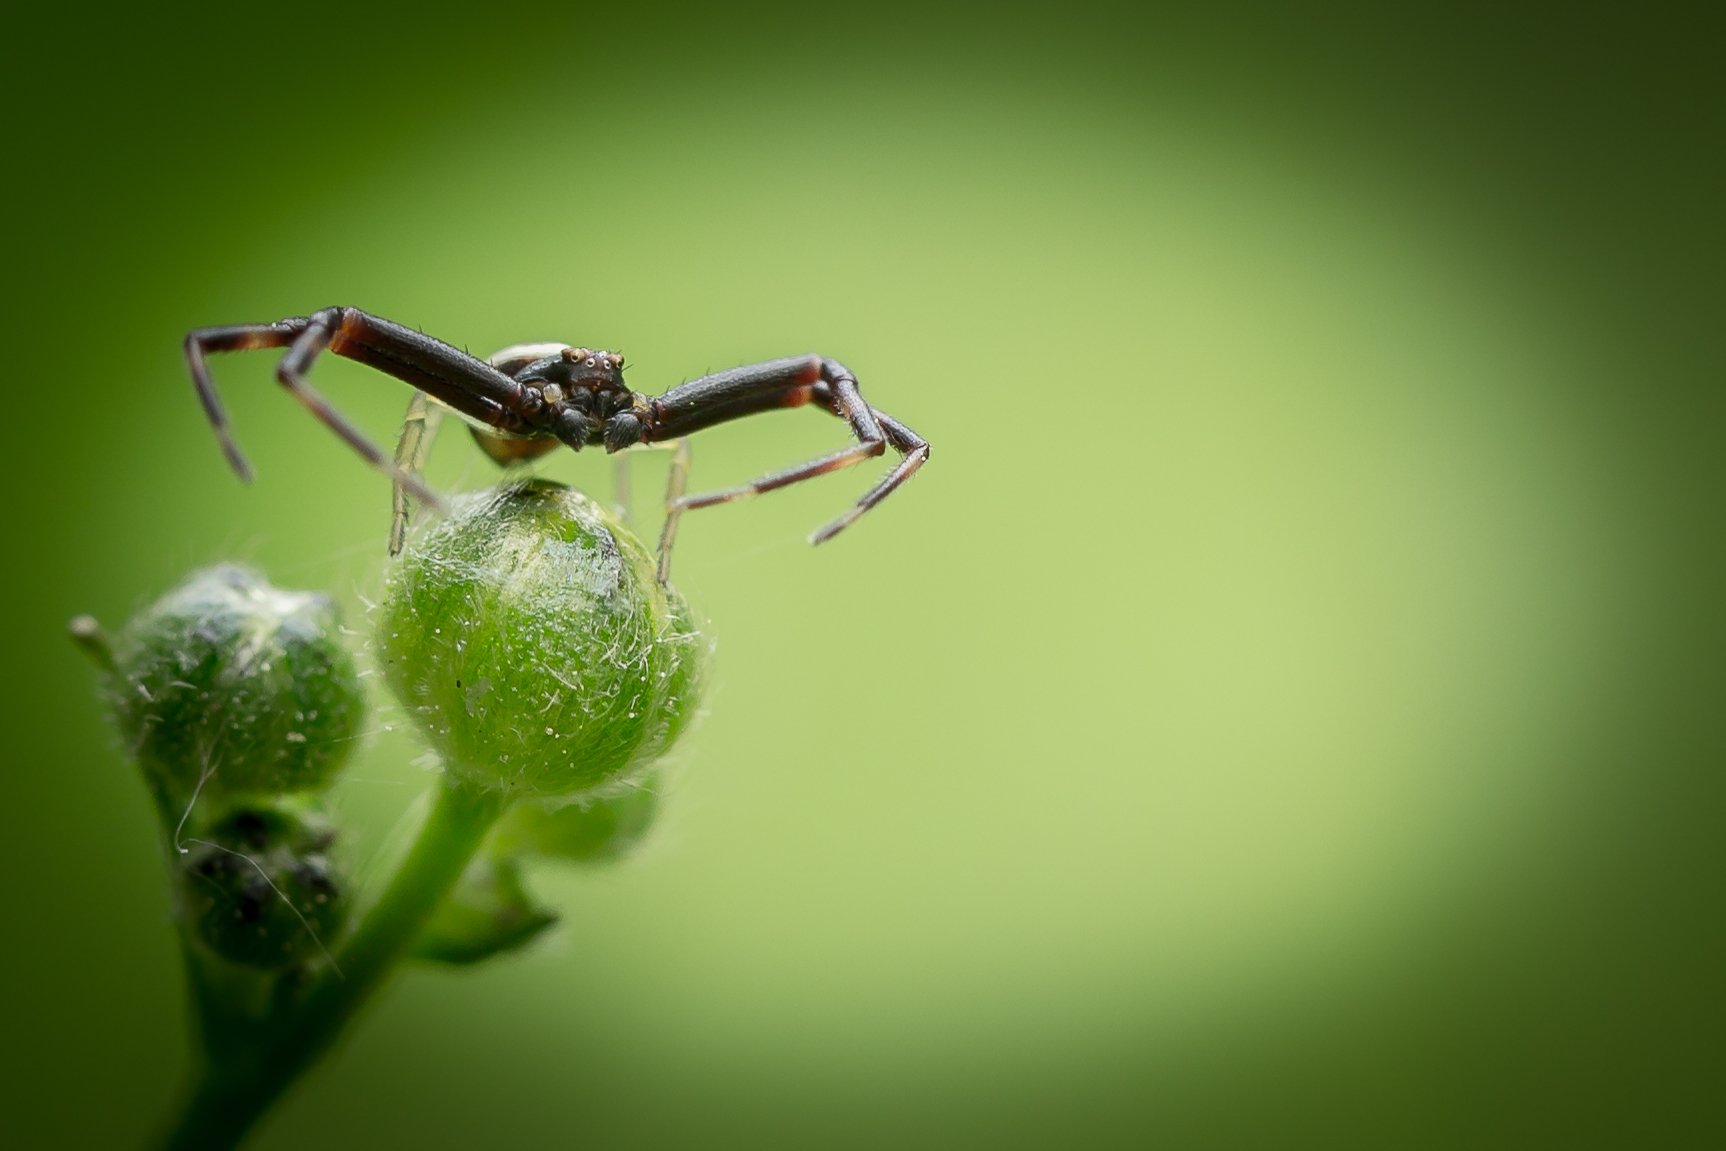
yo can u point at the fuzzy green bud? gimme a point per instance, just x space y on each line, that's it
528 637
227 686
259 889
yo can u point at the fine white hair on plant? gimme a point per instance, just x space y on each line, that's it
281 895
529 638
183 845
549 666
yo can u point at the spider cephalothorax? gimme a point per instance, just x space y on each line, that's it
529 398
576 394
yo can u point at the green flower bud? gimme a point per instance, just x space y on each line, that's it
258 887
489 913
232 685
595 830
527 635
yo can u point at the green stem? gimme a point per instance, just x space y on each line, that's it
233 1088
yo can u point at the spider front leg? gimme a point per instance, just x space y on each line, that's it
444 373
913 452
305 338
234 338
788 383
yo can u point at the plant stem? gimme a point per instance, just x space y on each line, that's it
233 1088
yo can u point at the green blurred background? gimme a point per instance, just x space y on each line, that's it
1285 711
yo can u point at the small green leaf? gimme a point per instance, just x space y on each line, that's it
489 913
600 829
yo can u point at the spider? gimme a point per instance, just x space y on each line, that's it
529 398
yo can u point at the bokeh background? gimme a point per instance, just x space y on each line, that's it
1285 711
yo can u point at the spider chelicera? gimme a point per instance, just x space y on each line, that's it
527 399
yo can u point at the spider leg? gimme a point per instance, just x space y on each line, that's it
621 494
470 386
832 462
419 427
235 338
291 374
787 384
675 483
913 452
